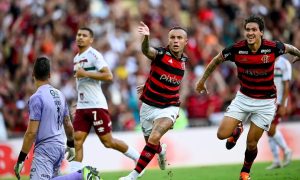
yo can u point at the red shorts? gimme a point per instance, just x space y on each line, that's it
96 117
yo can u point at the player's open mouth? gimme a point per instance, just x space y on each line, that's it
251 37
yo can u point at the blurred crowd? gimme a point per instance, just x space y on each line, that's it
32 28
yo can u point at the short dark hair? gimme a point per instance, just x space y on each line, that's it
87 29
255 19
177 27
41 68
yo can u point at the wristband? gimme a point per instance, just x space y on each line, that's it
70 143
22 156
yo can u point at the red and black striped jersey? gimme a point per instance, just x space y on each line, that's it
255 70
163 84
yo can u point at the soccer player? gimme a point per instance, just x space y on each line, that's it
160 94
92 110
49 117
283 75
256 99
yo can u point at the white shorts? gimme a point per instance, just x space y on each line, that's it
148 114
260 111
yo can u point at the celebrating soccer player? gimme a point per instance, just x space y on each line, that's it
160 94
256 99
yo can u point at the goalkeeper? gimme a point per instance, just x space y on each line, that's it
49 117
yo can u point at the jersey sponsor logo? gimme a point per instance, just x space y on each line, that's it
100 129
97 123
265 59
255 73
170 79
265 51
243 52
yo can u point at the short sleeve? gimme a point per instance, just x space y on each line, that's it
227 54
99 62
280 48
35 108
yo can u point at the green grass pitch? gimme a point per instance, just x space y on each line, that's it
224 172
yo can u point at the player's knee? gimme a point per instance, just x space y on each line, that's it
78 144
251 145
108 144
154 137
221 135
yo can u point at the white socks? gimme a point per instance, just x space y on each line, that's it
279 139
275 150
132 153
75 166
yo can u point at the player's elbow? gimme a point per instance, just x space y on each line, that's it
110 77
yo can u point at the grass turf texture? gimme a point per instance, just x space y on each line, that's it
224 172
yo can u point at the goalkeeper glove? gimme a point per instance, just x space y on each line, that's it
19 165
70 151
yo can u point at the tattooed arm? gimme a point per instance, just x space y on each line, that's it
293 51
200 86
148 51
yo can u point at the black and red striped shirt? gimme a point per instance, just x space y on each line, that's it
163 84
255 70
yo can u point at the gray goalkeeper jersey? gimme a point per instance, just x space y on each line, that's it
48 105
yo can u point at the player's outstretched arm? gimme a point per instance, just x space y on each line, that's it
293 51
200 85
148 51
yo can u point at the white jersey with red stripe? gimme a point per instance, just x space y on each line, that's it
282 72
89 90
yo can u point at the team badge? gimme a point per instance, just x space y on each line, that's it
265 59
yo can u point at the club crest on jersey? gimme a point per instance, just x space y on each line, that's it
81 96
265 59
